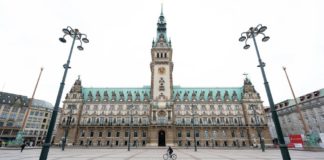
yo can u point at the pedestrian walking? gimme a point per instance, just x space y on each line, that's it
22 147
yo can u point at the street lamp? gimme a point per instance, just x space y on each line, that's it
67 126
193 126
131 107
75 34
253 32
257 124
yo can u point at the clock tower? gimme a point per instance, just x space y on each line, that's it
161 67
161 88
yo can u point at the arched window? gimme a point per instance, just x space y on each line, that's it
252 121
157 55
63 120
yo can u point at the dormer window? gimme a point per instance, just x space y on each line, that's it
302 98
286 103
308 96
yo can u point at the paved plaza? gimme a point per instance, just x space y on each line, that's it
152 154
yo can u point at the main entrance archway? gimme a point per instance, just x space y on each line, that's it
161 138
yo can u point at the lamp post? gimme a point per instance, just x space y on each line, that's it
76 35
257 124
130 125
252 33
193 126
67 126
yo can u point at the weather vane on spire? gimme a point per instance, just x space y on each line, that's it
161 7
246 75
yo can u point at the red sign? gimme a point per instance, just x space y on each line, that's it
296 140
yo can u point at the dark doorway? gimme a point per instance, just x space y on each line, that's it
161 138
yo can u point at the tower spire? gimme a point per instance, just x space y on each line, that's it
161 8
161 35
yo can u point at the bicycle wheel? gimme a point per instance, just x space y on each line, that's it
174 156
165 156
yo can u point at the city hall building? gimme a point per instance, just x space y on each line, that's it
162 114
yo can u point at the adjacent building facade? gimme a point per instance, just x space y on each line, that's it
13 109
312 108
38 122
163 114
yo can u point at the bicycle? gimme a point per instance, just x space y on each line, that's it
173 156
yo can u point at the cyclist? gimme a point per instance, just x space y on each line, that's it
170 151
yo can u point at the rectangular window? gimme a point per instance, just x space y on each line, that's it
109 134
178 108
117 134
91 133
197 134
144 134
100 134
188 133
103 108
135 133
179 133
212 107
87 107
220 107
14 109
154 115
82 133
126 133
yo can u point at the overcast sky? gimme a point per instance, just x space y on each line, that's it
204 34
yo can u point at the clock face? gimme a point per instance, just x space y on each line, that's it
161 70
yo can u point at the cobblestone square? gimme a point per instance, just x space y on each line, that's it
156 154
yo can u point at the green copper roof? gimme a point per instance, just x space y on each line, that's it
118 91
222 93
206 92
